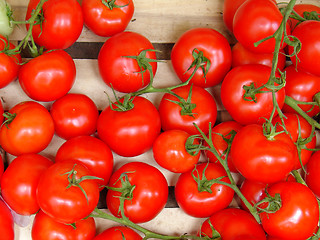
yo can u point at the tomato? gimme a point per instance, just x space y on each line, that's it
20 180
1 167
132 132
308 32
242 56
61 25
255 20
199 199
149 195
74 115
107 21
48 76
121 73
312 176
173 117
9 64
229 9
64 201
301 9
298 215
30 131
220 144
6 222
232 94
46 228
6 24
213 45
91 152
301 86
169 151
118 233
232 223
261 159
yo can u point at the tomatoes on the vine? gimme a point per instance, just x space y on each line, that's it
303 10
312 176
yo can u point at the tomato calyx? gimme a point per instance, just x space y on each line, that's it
126 188
200 61
269 204
313 15
9 118
111 4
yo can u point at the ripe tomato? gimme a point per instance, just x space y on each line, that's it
9 64
74 115
6 222
30 131
61 25
312 176
46 228
298 216
214 46
20 180
91 152
107 21
1 167
173 117
301 8
169 151
232 94
261 159
118 233
149 195
255 20
121 73
198 199
132 132
229 9
48 76
64 200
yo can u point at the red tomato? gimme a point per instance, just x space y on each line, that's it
214 46
301 9
67 204
74 115
1 112
298 216
61 26
301 86
149 195
46 228
107 21
261 159
232 94
20 180
173 117
91 152
9 64
220 144
232 223
169 151
198 199
30 131
255 20
229 9
121 73
308 32
48 76
118 233
132 132
312 176
6 222
1 167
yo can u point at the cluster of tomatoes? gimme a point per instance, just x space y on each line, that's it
270 144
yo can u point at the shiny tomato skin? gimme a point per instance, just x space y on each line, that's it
104 21
203 203
121 73
1 167
91 152
6 222
46 228
300 8
204 112
229 9
20 180
31 131
298 216
130 133
312 176
62 25
149 196
118 233
214 46
74 114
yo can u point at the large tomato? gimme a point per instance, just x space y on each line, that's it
132 132
147 192
107 18
301 9
121 73
61 25
229 9
6 222
30 130
312 176
202 43
48 76
118 233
